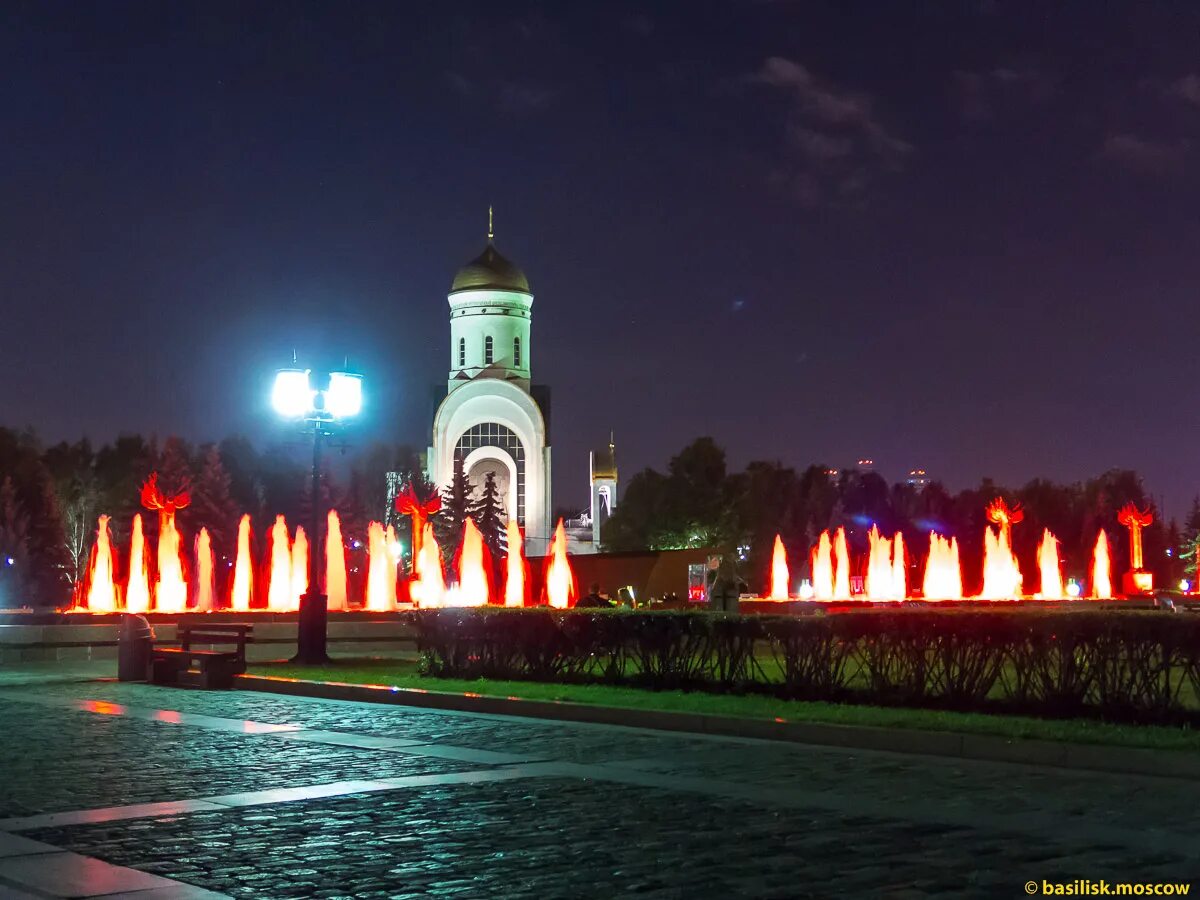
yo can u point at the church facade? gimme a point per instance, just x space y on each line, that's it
492 415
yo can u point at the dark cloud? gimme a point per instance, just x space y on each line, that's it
986 95
1145 156
524 98
1186 88
639 24
836 145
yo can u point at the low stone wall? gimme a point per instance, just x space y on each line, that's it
95 637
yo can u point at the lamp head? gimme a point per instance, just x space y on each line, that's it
344 398
292 396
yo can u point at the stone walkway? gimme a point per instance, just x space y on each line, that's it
263 796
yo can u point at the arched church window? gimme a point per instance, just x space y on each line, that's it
462 352
488 353
517 352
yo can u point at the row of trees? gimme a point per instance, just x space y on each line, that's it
698 502
51 497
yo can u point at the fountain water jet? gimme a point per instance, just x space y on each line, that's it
170 590
822 568
881 570
1101 569
943 574
102 587
299 567
1001 573
514 567
841 559
560 580
779 571
279 567
1048 566
137 591
206 595
472 588
335 563
243 569
381 571
428 589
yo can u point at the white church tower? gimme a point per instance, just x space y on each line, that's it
489 415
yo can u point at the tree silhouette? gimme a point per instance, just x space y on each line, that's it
14 547
456 506
488 513
213 506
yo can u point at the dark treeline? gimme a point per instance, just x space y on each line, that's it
51 497
697 502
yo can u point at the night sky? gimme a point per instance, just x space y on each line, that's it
956 235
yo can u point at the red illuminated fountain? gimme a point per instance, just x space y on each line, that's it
206 596
279 567
1048 567
560 580
200 585
137 592
243 569
943 573
473 587
335 564
516 570
779 571
822 568
102 588
428 587
1137 580
170 590
409 504
381 570
886 578
1101 569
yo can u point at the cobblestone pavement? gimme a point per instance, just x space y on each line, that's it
452 804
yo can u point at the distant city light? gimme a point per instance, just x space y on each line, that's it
1185 585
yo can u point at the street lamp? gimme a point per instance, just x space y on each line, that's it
320 411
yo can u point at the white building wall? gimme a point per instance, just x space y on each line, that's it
503 315
484 400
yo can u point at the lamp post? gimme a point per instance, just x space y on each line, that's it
321 411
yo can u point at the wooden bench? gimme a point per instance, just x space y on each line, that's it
202 668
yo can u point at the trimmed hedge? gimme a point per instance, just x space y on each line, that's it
1128 666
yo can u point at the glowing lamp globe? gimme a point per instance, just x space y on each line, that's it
292 397
344 397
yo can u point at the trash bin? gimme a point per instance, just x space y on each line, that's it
133 649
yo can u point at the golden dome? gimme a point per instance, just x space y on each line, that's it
490 271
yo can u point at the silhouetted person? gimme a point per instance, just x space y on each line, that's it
593 600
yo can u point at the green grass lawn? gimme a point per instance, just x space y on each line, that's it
399 672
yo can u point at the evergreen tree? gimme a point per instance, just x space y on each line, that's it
1189 539
14 548
213 506
48 544
456 506
488 513
174 477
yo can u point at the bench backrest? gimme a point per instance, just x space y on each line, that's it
215 633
